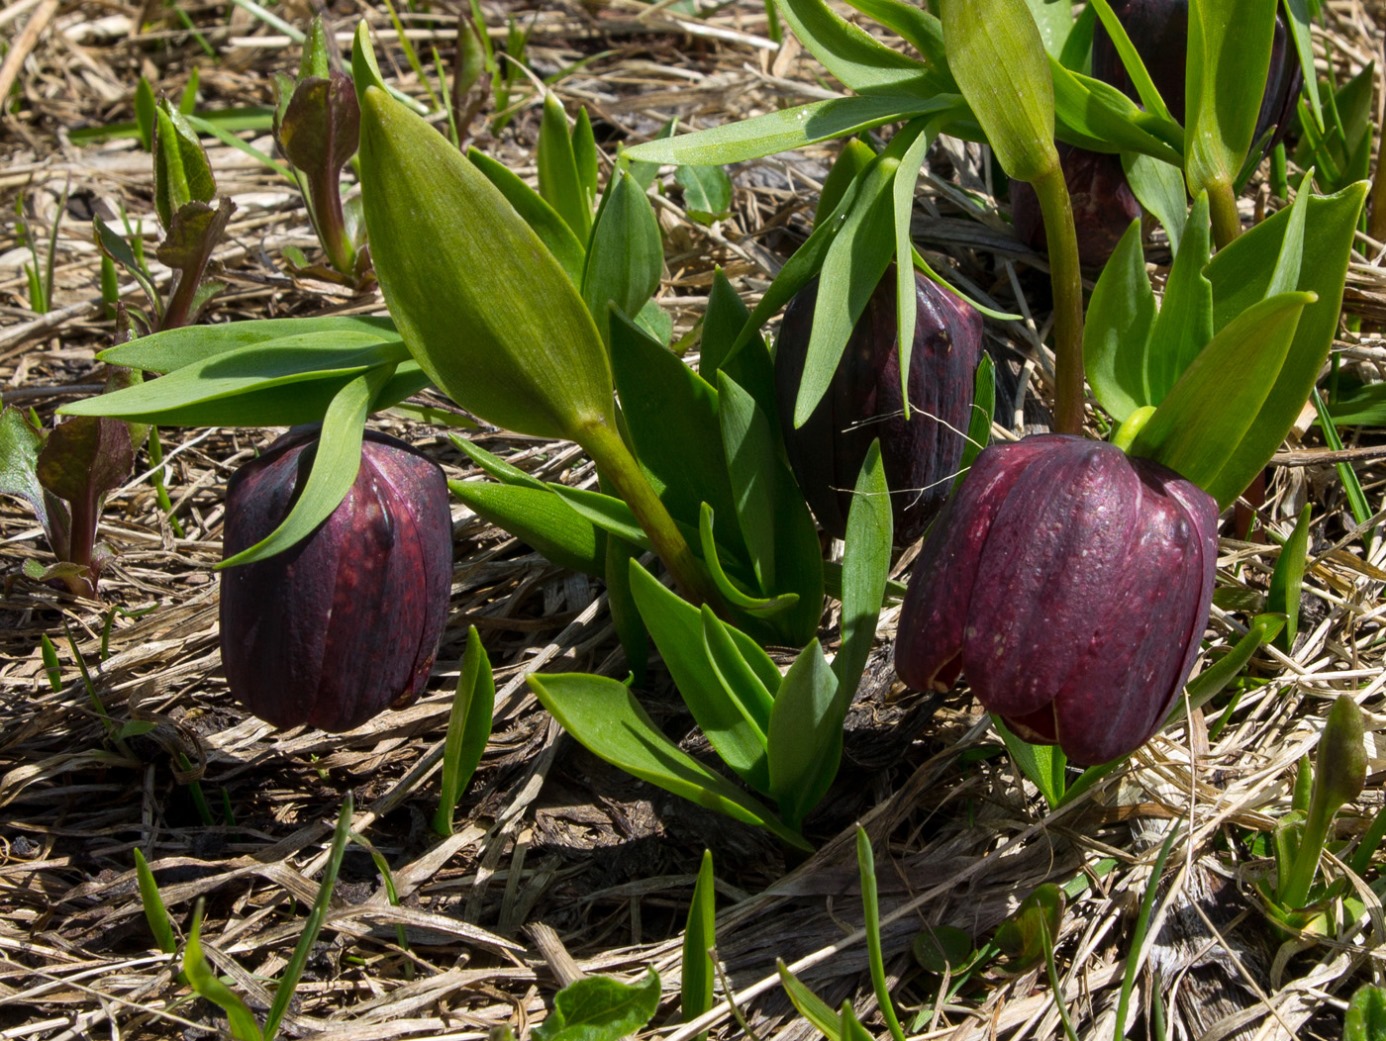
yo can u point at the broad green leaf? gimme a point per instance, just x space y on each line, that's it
677 629
531 358
790 129
20 445
670 413
724 319
146 109
1043 765
585 156
776 527
1185 322
1078 46
1116 335
238 372
604 717
335 464
863 63
559 181
1285 275
747 673
997 56
174 348
547 223
1054 19
1201 423
1363 406
1096 116
469 728
539 517
1287 580
1365 1019
699 936
626 255
851 163
1225 76
1159 187
494 465
599 1008
1241 273
181 171
865 568
852 267
804 731
707 192
607 512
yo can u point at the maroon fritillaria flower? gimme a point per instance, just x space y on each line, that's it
1070 584
346 623
921 455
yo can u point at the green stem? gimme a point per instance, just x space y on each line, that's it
1311 844
618 465
1222 207
1066 276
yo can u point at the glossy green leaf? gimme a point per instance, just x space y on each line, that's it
494 465
1042 765
851 1027
560 184
748 675
189 393
790 129
997 55
776 526
146 113
174 348
335 465
181 171
863 63
851 163
20 445
699 936
676 627
599 1008
540 518
852 266
1203 419
1116 335
723 349
1096 116
1185 323
810 1005
626 255
1159 187
733 594
1365 1019
585 157
865 569
707 192
804 731
547 223
1287 580
1240 274
1054 19
1225 76
469 728
670 413
604 717
531 358
1352 485
1078 46
607 512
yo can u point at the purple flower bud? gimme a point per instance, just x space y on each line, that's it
1103 205
863 403
1069 583
1159 29
345 623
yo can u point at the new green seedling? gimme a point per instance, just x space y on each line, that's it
699 937
599 1008
469 728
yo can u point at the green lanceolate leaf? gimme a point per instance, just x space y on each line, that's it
1116 335
604 717
599 1008
810 1005
1185 323
997 56
670 413
174 348
1229 55
906 295
699 935
735 595
469 728
1043 765
483 306
1159 187
776 527
915 25
707 192
1205 417
726 315
863 63
625 257
1054 19
804 731
335 464
1241 274
677 629
1095 115
865 569
1212 680
20 445
181 171
747 673
1365 1019
548 224
791 128
1287 580
625 615
559 182
539 517
206 984
979 426
1131 59
155 913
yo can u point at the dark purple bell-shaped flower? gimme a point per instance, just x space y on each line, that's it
1069 583
1159 29
346 623
921 455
